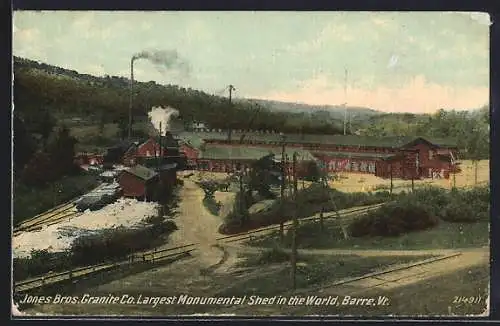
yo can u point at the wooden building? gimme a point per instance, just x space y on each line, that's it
230 158
409 157
139 182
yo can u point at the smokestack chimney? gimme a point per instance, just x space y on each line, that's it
160 151
131 97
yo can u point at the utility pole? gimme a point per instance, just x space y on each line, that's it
345 100
282 189
231 89
390 166
295 223
242 215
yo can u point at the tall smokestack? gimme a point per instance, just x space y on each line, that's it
131 97
159 151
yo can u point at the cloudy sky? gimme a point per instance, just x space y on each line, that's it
398 62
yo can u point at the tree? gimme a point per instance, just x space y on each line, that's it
263 173
209 187
312 172
61 150
123 127
24 145
39 170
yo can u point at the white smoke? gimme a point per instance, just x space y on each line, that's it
162 116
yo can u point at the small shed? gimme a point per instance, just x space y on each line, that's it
138 182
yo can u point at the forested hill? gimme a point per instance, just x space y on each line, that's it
40 88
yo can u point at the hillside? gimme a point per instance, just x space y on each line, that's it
39 87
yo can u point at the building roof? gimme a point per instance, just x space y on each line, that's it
123 145
153 162
192 140
142 172
437 142
354 155
342 140
222 152
167 141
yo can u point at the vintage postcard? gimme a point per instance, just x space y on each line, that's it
250 164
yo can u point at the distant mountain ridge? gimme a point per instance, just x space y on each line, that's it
336 111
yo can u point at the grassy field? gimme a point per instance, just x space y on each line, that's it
312 270
444 236
432 297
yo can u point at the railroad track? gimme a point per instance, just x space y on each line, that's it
46 220
49 217
378 275
75 274
347 214
167 253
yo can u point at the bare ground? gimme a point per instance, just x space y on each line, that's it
354 182
196 225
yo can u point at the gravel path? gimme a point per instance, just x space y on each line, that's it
196 225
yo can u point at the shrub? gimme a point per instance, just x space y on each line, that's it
212 205
116 244
309 202
40 262
269 256
459 212
456 206
394 219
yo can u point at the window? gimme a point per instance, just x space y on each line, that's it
148 153
431 154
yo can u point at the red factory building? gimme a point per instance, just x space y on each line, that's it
403 157
139 182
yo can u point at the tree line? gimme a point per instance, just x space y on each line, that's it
469 129
41 158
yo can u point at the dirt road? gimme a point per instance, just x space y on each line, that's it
196 225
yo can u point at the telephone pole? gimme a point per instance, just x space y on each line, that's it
345 100
241 202
295 223
231 89
282 188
